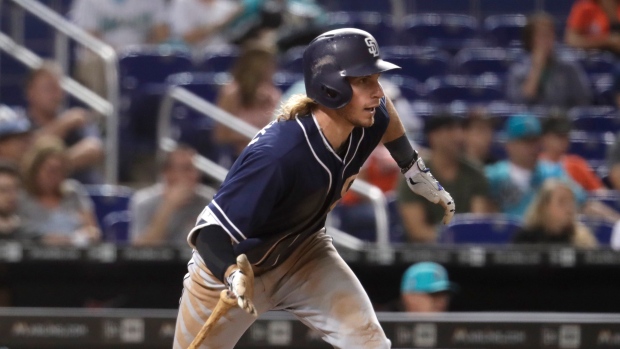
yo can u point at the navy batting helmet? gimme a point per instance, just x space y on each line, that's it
333 56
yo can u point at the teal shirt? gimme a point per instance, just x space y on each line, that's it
511 199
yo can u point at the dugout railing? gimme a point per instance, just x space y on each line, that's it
217 172
11 44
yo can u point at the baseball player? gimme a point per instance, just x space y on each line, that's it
273 205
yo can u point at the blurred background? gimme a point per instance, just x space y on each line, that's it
120 118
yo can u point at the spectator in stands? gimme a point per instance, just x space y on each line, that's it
166 211
425 288
199 23
74 126
514 182
15 135
479 131
551 218
119 23
555 144
463 180
251 95
57 208
594 24
542 77
11 225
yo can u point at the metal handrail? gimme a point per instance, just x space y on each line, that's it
177 93
107 108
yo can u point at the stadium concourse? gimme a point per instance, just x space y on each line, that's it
110 142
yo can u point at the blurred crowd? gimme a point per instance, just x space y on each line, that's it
520 166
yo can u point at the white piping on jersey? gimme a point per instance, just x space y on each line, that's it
354 153
228 220
200 215
276 261
295 239
327 145
315 156
216 221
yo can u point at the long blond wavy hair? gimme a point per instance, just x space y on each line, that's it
536 214
296 105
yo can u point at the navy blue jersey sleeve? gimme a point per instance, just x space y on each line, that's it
248 195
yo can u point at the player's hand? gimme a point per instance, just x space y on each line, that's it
241 284
421 181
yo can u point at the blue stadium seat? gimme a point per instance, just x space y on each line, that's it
188 125
560 9
595 119
38 35
597 63
284 80
109 199
439 6
139 65
447 31
610 198
409 87
603 89
13 73
593 63
143 72
476 61
495 7
476 89
205 85
220 59
292 61
504 30
601 229
359 220
418 62
590 146
376 23
469 228
115 227
356 5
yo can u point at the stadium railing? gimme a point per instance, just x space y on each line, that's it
64 30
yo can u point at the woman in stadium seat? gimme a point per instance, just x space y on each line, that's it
56 207
251 95
552 219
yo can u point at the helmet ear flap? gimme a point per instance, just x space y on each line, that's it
336 95
330 92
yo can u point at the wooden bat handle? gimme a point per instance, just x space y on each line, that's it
223 305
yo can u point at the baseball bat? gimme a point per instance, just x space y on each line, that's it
223 305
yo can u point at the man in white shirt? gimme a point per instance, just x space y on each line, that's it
119 23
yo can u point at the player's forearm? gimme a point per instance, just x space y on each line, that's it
86 153
529 89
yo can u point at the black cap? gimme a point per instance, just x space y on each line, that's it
441 121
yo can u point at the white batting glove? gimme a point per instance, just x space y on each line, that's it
421 181
241 284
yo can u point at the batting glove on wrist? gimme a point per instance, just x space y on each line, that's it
241 284
421 181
